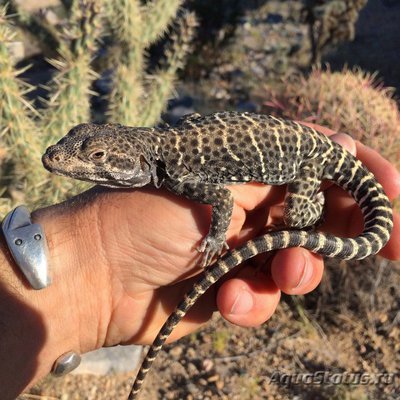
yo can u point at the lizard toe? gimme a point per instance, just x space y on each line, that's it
211 247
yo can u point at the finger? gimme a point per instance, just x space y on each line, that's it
342 215
255 195
392 249
342 138
296 270
348 144
346 141
249 299
385 172
255 222
351 221
323 129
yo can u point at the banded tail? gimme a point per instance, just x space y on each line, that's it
352 176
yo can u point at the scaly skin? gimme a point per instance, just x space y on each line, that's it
200 155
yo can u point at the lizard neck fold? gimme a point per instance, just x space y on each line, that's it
152 154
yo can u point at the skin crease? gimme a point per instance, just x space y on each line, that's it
122 259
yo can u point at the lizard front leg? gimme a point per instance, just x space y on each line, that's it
221 200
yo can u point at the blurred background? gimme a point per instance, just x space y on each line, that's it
333 62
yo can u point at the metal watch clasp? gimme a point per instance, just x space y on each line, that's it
28 246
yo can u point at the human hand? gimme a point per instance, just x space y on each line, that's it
146 252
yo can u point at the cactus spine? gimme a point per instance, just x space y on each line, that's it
125 30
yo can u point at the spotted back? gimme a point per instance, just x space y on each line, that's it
231 147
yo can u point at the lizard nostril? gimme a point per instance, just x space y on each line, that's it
52 155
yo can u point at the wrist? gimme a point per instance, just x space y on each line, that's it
80 290
71 314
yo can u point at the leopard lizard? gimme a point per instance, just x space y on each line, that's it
199 156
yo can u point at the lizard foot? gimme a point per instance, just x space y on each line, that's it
211 247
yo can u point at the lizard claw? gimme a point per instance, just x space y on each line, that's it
211 247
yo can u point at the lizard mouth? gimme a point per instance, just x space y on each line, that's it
52 166
85 176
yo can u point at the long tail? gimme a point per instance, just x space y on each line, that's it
378 223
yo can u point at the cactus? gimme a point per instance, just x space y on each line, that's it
19 130
162 82
128 27
136 100
45 34
331 22
70 92
351 101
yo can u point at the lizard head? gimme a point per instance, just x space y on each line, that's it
109 155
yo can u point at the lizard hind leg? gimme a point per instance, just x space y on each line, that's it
304 205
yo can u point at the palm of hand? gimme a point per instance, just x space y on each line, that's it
154 249
150 243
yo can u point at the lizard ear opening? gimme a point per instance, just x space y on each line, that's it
151 170
144 165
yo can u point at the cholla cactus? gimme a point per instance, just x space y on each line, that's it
19 130
331 22
136 98
160 85
69 101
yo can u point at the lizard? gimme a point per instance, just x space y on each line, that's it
200 155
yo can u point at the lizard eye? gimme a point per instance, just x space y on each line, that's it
98 155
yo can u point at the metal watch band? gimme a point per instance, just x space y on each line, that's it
28 247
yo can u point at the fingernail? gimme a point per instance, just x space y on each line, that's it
346 141
307 273
243 303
